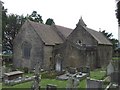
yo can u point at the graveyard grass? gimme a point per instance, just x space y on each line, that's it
44 82
96 74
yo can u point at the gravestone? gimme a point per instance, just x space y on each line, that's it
51 87
58 65
94 84
115 77
75 83
35 85
72 70
80 69
69 85
110 69
86 70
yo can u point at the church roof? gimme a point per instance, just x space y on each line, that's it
52 36
98 36
47 34
64 31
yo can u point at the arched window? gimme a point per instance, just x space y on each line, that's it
26 50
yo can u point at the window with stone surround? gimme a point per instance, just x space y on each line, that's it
26 50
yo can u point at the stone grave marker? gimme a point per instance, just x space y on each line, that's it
72 70
75 83
94 84
110 69
69 85
115 77
87 70
51 87
80 69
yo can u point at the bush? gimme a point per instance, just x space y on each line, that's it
49 74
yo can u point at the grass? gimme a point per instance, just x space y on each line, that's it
116 58
0 86
96 74
44 82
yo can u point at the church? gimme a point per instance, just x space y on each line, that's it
58 47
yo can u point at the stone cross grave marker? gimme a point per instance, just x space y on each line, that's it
36 79
72 83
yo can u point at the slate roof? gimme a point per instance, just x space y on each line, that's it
98 36
51 36
47 34
64 31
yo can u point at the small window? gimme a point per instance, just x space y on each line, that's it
79 42
26 50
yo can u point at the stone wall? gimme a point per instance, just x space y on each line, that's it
75 54
104 55
48 53
36 53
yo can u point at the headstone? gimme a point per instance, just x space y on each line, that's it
69 85
94 84
75 83
110 69
80 69
51 87
87 70
115 77
36 82
72 70
58 65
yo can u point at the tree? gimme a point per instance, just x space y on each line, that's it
110 37
118 12
50 21
35 17
10 29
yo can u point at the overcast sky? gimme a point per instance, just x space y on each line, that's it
95 13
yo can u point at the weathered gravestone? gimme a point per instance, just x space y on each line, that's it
94 84
58 65
115 77
72 70
75 83
51 87
72 83
110 69
36 82
80 69
86 70
69 83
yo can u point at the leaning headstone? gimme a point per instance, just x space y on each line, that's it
110 69
94 84
51 87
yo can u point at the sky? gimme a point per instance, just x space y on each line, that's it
97 14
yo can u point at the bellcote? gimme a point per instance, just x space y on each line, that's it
81 22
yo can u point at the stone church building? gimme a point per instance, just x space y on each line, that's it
57 47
